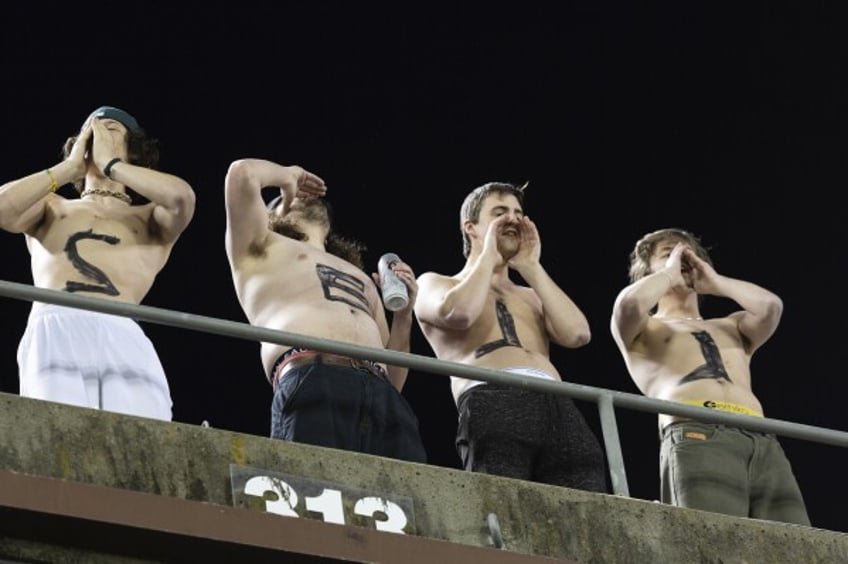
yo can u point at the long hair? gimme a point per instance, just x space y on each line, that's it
319 210
346 249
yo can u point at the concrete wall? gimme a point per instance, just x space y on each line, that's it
201 464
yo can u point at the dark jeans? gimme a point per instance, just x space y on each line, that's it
345 408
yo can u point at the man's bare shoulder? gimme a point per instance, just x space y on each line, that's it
434 280
431 276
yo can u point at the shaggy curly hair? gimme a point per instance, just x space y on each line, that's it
640 257
319 209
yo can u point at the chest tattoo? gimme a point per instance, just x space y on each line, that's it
103 284
507 325
342 287
713 367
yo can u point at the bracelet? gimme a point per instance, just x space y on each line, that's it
107 170
53 184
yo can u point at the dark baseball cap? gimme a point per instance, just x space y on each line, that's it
117 114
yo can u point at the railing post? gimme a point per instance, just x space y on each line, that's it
612 444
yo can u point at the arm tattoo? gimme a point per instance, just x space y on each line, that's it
104 285
342 287
713 368
507 325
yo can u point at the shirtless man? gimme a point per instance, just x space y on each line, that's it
673 354
480 317
102 246
292 273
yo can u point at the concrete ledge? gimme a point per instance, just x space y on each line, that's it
196 464
124 525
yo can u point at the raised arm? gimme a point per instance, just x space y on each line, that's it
22 201
634 303
565 323
761 309
457 303
172 197
247 217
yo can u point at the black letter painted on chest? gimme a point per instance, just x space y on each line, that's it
342 287
714 367
104 285
507 325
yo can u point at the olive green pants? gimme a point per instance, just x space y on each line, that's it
729 470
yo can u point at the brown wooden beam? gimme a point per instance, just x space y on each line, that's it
142 525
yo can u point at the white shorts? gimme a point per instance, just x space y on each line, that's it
91 359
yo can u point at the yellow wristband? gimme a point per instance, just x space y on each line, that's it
53 184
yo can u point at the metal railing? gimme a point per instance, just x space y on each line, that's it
606 400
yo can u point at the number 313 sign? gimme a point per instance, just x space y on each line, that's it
294 496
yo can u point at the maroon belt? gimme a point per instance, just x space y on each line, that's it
310 358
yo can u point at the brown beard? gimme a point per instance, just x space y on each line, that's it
345 249
286 229
310 210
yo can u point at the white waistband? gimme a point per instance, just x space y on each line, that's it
521 370
40 309
530 372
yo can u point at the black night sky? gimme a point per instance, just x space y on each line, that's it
724 118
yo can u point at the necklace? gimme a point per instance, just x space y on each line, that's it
104 192
683 318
